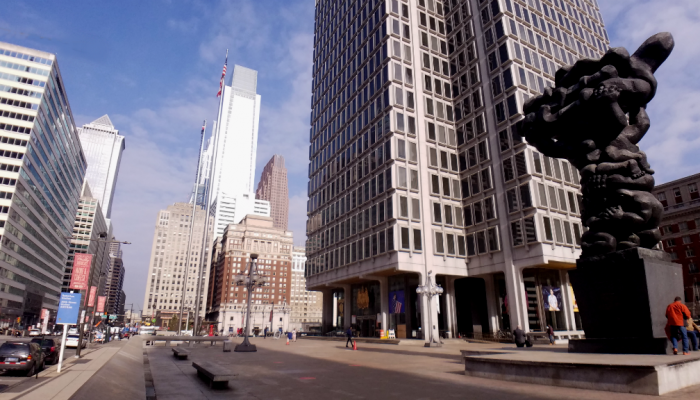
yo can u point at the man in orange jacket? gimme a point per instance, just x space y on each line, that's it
675 313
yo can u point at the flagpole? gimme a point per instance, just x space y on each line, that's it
192 221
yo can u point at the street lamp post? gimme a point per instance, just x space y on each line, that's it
251 281
429 290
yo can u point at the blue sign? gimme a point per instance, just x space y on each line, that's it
68 307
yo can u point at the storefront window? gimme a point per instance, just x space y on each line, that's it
544 299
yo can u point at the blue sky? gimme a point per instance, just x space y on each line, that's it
154 67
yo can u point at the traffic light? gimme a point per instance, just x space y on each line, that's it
18 319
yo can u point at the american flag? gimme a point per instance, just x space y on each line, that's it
223 75
397 307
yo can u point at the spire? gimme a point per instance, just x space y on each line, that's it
103 120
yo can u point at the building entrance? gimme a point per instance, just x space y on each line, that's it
470 307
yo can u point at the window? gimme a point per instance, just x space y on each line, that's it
512 200
446 186
547 228
437 213
439 244
450 239
683 226
525 197
403 207
689 252
405 243
417 240
432 157
516 233
402 177
686 240
415 209
414 179
492 235
530 231
542 195
670 242
435 187
508 173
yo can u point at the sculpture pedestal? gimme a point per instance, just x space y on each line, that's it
622 299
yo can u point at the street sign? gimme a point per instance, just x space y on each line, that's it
68 307
112 316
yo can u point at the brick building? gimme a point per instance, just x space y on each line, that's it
680 232
273 187
226 302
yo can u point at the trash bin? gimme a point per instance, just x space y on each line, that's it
227 346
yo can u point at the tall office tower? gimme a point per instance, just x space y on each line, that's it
115 282
169 259
103 147
418 174
273 187
306 305
120 308
235 146
226 302
41 174
89 224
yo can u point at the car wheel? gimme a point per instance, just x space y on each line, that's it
32 370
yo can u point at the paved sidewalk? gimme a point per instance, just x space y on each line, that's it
311 369
74 374
121 378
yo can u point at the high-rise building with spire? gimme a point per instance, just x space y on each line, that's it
273 187
103 147
235 146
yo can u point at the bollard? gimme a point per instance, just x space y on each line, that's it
354 345
227 346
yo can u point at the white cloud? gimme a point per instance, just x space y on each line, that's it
672 142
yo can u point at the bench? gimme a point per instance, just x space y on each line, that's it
180 353
213 373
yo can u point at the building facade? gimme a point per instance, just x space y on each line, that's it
226 302
103 147
273 187
115 283
89 225
42 167
417 171
680 232
171 256
235 146
307 306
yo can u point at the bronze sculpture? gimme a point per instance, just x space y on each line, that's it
594 117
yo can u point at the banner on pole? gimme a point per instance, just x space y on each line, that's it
101 303
91 298
81 271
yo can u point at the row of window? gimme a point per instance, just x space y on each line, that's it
21 92
19 67
22 56
18 103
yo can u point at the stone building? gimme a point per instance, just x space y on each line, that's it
680 232
307 306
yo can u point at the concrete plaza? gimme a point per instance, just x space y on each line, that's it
318 369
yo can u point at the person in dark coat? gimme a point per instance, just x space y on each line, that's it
348 333
520 337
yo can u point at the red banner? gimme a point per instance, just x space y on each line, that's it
44 313
93 292
101 303
81 271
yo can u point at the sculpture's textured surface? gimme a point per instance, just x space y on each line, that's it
594 117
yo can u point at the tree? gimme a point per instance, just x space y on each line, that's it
172 325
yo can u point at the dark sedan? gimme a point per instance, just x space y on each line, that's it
50 347
21 356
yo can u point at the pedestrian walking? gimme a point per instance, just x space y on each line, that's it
550 333
289 337
294 335
693 333
348 333
265 333
676 313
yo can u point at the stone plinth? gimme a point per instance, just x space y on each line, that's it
622 299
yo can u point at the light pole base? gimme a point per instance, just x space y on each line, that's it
245 348
432 345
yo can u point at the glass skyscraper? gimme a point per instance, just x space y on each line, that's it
418 174
42 167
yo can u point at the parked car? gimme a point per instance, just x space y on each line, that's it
50 348
34 332
19 356
73 331
72 341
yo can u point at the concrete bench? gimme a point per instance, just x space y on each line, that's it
213 373
180 353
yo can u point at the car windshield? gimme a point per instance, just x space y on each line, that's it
43 342
73 337
10 347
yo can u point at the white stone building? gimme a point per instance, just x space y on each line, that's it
307 306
